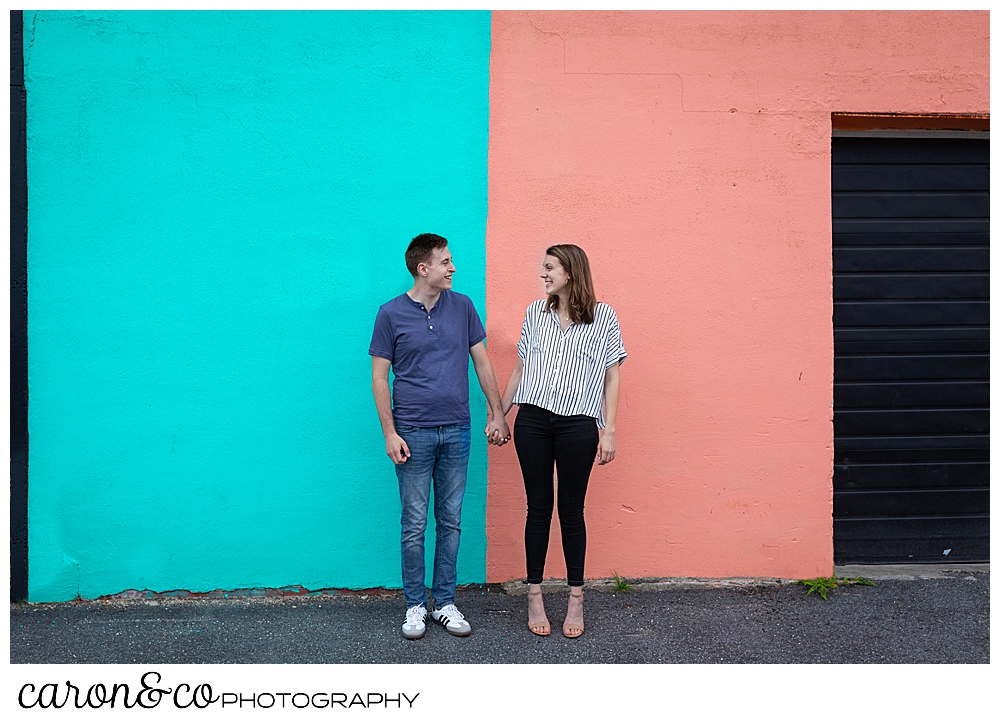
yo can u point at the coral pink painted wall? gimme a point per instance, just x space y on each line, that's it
689 154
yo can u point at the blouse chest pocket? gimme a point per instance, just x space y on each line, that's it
590 349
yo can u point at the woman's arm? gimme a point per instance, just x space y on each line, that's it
496 429
507 401
612 384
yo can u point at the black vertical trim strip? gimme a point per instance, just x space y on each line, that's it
18 316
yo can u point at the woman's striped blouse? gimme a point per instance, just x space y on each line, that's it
564 371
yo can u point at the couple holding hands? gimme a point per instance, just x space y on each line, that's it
565 384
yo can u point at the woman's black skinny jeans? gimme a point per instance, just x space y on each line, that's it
541 438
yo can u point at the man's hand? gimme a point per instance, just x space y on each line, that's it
497 432
606 448
396 448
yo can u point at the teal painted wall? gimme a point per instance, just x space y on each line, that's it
218 203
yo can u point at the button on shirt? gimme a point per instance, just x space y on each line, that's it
564 371
429 352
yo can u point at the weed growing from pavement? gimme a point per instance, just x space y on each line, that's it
823 585
621 585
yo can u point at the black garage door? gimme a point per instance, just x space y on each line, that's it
911 349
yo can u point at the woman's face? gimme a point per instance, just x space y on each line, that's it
554 275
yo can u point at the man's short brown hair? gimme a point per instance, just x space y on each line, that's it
420 248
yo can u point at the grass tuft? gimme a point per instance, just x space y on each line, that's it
621 585
823 585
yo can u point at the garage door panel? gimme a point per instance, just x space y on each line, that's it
960 550
947 151
911 177
910 422
895 238
911 449
957 334
885 313
881 395
912 259
930 443
923 346
912 286
911 367
892 453
915 528
913 205
860 476
887 226
954 501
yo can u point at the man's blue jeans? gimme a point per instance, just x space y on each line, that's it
441 454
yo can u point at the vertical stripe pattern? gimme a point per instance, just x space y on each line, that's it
564 371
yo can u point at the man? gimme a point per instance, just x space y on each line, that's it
427 335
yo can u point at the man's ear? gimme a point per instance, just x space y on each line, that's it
422 269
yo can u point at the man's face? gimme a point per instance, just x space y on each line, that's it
439 269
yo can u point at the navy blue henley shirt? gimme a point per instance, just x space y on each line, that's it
429 352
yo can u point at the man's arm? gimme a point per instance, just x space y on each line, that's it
497 431
395 446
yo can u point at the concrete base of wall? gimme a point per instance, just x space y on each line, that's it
519 588
912 571
904 572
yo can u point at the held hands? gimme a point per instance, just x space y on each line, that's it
396 448
497 432
606 448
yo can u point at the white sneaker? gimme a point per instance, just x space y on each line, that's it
452 620
413 626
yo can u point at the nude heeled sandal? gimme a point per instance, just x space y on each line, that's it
573 630
544 625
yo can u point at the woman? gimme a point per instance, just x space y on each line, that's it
566 385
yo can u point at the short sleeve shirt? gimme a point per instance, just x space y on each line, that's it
429 352
564 371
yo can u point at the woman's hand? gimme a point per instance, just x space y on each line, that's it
606 448
497 432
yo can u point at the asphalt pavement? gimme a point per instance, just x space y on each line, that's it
940 618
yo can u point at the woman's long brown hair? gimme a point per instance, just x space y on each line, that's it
580 299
